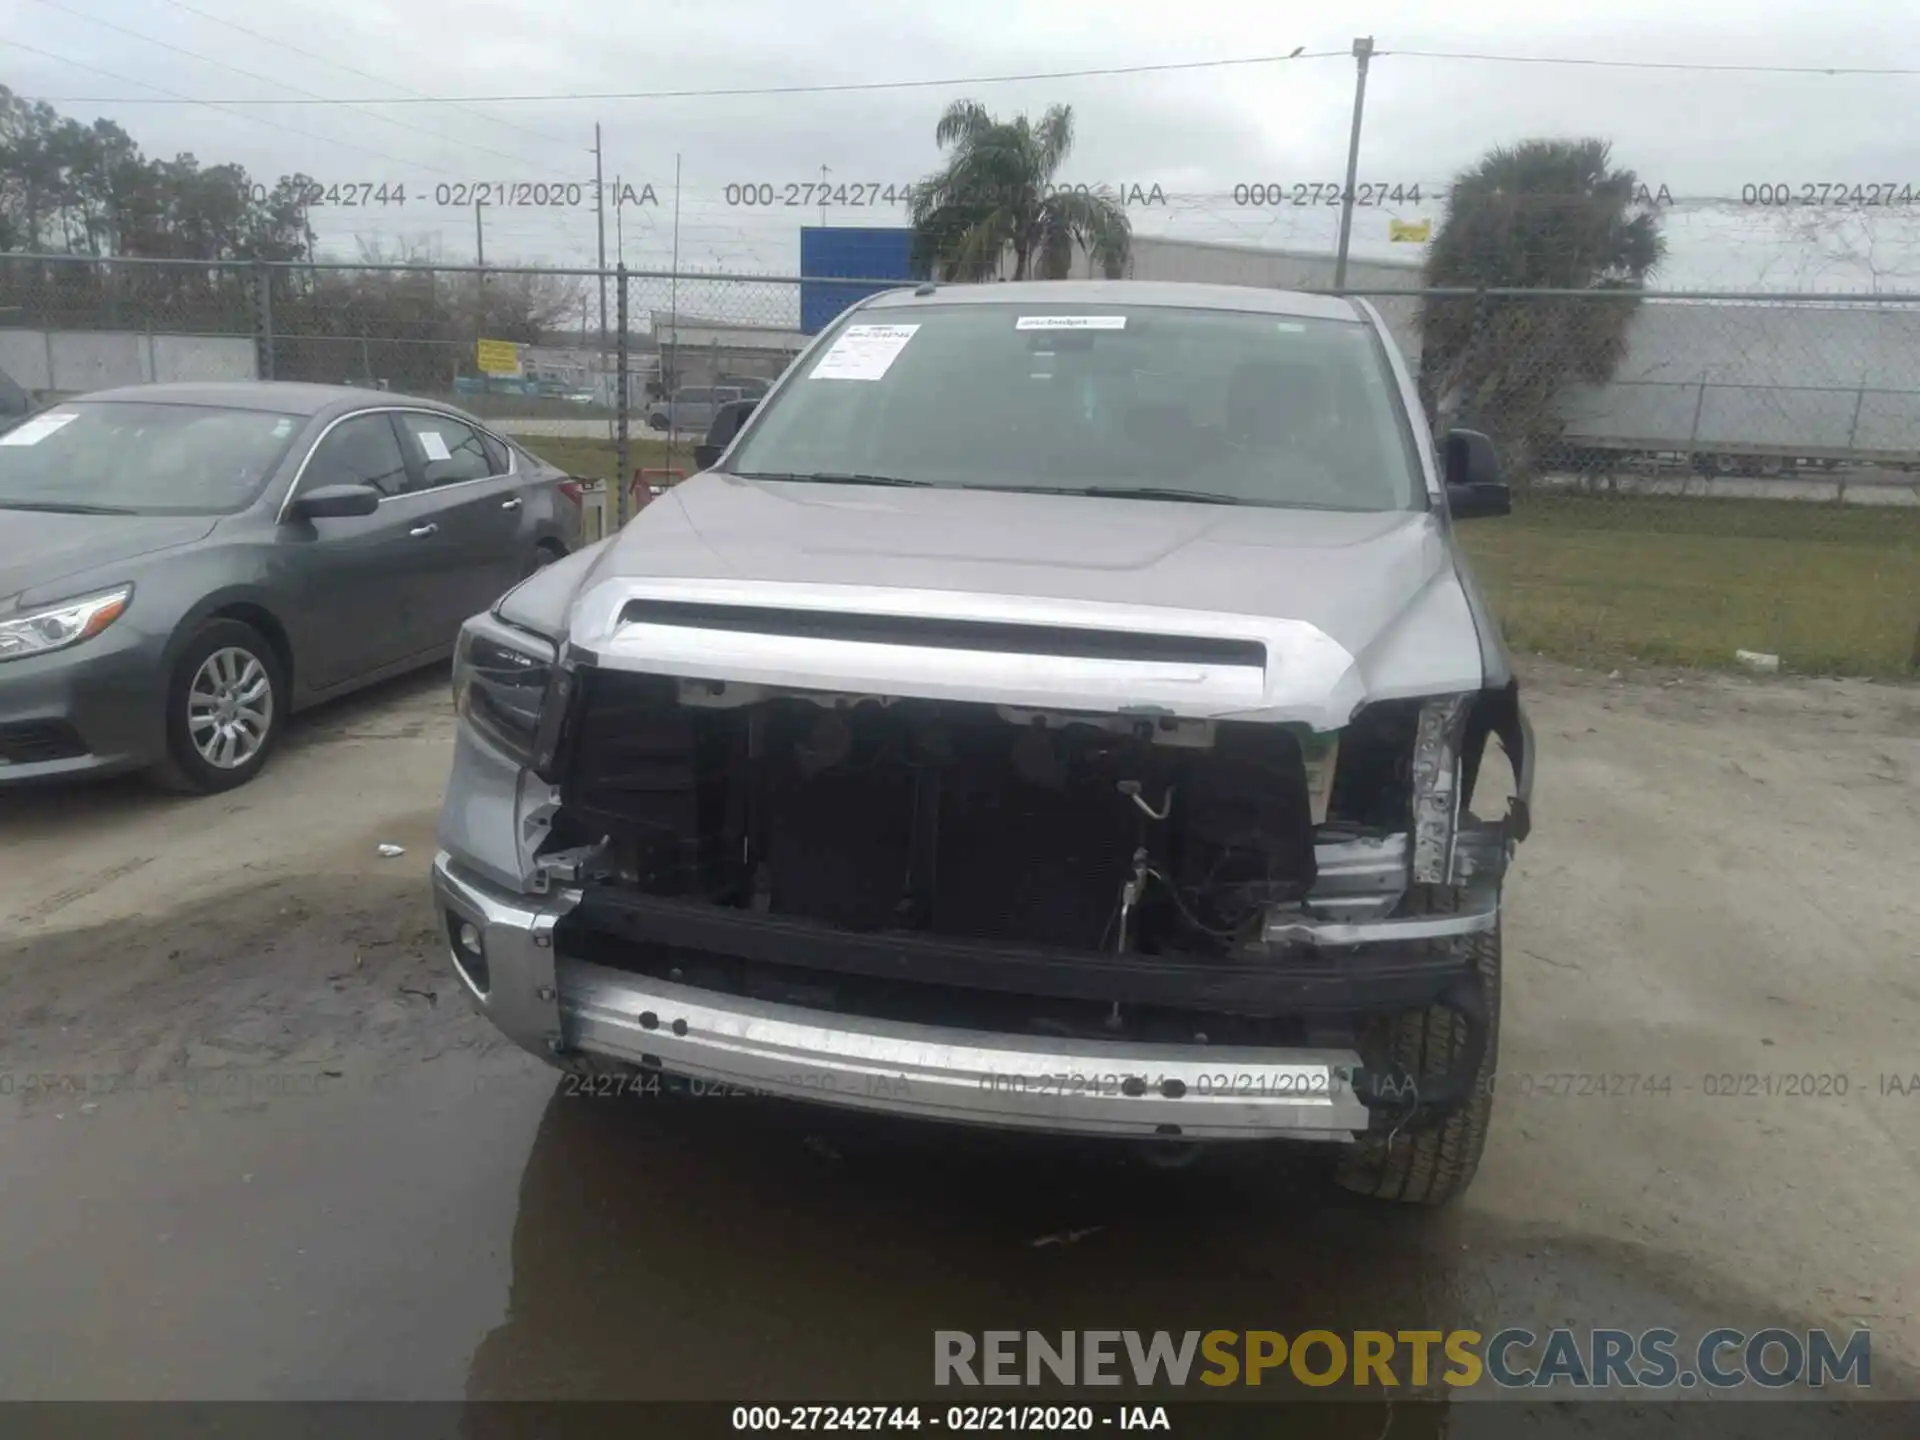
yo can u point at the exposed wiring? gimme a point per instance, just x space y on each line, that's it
1181 904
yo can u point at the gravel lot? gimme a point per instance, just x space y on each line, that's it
278 1157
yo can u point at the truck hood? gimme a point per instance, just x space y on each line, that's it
1349 607
41 550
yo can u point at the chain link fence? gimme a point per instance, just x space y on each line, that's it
1693 474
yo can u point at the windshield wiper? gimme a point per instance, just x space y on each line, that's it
838 477
1122 492
64 507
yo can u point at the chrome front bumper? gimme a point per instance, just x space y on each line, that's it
560 1008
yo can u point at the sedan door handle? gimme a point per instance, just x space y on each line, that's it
428 529
513 504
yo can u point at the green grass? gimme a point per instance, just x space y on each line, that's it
594 459
1829 589
1660 580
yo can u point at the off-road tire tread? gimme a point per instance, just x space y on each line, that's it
1433 1166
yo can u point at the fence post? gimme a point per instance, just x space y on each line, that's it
1853 426
622 479
262 290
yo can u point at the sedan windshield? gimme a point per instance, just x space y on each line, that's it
1114 400
141 458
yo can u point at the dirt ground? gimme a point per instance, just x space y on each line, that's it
253 1144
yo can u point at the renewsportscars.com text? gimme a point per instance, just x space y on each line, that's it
1511 1358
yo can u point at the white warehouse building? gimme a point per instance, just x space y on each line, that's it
1159 257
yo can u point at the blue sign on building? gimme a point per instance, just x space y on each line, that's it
857 252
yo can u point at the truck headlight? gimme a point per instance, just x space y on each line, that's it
500 682
53 627
1436 787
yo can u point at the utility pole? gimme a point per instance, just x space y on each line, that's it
1362 52
600 218
624 500
479 284
673 312
600 221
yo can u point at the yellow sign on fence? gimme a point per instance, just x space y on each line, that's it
1417 231
497 357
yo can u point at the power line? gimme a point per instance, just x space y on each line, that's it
363 74
270 80
745 91
1692 65
212 105
1099 73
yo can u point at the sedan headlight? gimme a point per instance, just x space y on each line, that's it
500 680
53 627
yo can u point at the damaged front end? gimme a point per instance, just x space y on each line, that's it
982 894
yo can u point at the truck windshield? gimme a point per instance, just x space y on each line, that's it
1258 409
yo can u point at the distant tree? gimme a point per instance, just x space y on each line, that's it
68 188
87 190
996 194
1543 214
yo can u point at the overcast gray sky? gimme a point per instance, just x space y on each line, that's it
1195 134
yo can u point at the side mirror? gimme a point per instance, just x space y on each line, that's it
1472 471
327 502
727 422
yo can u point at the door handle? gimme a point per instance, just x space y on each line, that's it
428 529
513 504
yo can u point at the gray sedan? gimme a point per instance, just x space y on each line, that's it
183 566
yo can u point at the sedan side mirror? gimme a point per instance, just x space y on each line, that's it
328 502
727 422
1474 486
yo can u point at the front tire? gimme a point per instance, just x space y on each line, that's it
1433 1166
226 701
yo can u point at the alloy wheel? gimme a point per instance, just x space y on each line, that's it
230 707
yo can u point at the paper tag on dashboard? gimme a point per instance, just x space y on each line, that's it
435 447
1071 322
863 352
32 432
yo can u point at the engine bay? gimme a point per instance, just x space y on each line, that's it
969 821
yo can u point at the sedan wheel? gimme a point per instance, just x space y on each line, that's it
230 708
224 707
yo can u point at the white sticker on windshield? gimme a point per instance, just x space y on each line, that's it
32 432
1292 327
435 447
282 428
863 352
1071 322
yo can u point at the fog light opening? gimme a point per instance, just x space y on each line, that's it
469 949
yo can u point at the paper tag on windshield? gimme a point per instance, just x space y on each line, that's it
1071 322
32 432
863 352
435 447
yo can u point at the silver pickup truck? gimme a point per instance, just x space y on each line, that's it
1058 706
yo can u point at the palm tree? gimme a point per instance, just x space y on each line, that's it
997 193
1543 214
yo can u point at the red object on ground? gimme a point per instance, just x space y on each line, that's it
641 490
